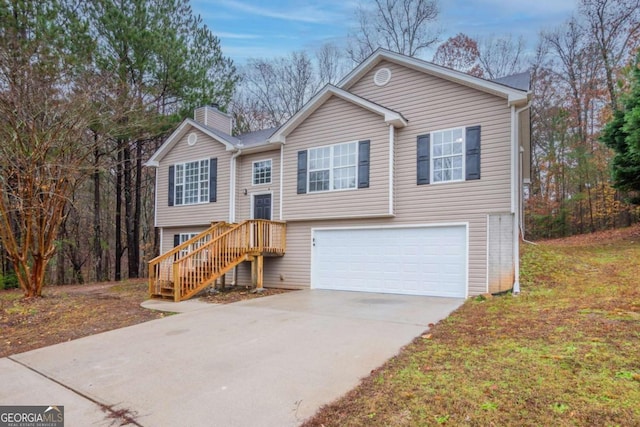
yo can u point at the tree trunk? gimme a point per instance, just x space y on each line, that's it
118 214
138 206
60 270
129 214
98 260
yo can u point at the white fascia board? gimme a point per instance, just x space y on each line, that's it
272 145
390 117
514 96
154 160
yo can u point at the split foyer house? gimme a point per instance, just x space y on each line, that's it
406 177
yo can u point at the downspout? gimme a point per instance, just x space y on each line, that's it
516 200
514 204
391 167
521 169
232 186
281 179
232 202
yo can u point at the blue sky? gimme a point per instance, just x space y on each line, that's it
260 29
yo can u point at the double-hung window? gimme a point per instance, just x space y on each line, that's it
262 172
333 167
448 155
192 182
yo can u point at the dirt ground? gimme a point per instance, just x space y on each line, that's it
68 312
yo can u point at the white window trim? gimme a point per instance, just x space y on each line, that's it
432 159
175 183
331 167
184 237
253 176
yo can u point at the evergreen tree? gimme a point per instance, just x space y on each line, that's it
622 134
161 62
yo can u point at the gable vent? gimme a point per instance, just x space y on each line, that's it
382 77
193 137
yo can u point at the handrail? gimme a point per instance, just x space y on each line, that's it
185 245
204 264
161 267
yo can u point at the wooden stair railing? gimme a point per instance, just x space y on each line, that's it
213 258
161 267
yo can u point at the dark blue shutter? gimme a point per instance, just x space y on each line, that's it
176 240
213 180
302 172
473 153
363 164
172 177
423 159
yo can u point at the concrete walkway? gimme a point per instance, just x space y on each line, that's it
271 361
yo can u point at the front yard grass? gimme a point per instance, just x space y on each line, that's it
565 352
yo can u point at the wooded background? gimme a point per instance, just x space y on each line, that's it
89 90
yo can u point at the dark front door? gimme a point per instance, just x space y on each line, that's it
262 206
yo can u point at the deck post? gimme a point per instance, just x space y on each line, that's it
257 272
176 282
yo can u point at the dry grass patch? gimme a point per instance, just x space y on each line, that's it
563 353
69 312
65 313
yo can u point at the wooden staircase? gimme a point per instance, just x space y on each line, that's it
195 264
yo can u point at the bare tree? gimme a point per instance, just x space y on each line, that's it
403 26
613 25
331 64
460 53
276 89
44 114
500 56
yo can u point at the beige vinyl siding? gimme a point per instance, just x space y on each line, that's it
197 214
338 121
167 241
168 233
214 119
245 181
429 104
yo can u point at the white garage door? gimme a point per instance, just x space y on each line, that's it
416 261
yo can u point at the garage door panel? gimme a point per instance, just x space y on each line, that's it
420 260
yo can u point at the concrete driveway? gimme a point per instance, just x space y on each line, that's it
272 361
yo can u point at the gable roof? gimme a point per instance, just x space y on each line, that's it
250 141
513 95
520 81
390 116
256 138
227 140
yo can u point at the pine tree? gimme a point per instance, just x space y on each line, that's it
622 134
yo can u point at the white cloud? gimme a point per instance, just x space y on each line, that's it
241 36
308 13
531 7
